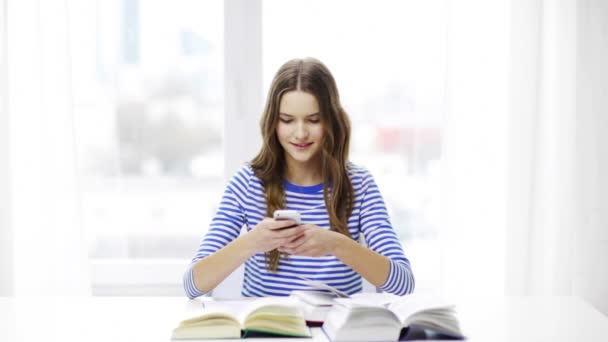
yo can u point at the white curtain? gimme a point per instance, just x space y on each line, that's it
509 204
543 208
6 237
557 241
524 197
49 245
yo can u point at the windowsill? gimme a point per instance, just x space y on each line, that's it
152 277
143 272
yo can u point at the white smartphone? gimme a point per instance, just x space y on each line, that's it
287 215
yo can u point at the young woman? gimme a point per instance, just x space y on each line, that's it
302 165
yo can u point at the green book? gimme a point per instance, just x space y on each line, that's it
272 316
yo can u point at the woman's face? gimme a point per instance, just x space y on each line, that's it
299 129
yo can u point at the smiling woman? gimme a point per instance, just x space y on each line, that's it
302 165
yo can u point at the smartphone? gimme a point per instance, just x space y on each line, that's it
287 215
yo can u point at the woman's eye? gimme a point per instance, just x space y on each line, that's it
286 121
314 121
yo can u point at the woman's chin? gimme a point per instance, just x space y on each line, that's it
301 158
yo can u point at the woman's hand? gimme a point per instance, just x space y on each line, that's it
269 234
314 241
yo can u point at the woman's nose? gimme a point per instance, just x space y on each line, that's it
301 131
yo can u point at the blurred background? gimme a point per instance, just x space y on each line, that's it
481 121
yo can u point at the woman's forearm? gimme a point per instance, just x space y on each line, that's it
213 269
371 265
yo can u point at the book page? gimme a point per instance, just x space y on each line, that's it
408 305
316 298
217 320
322 286
257 303
275 315
383 298
231 307
241 308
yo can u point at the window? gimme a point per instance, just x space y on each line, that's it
148 98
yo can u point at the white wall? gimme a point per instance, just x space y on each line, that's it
592 142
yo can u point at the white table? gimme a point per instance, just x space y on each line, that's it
112 319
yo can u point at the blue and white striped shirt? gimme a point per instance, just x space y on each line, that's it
243 203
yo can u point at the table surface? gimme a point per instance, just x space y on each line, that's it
153 318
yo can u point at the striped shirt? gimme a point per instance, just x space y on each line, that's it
243 204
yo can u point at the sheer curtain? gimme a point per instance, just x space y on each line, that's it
49 244
543 207
557 242
6 237
523 154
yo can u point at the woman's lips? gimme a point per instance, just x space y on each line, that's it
301 147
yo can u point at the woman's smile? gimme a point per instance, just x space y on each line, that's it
301 147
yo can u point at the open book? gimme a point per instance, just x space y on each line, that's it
386 319
258 317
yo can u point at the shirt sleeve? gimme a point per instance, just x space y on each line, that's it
225 226
381 237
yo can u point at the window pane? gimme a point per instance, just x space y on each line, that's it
148 103
388 58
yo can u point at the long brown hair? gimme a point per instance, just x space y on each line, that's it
311 76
